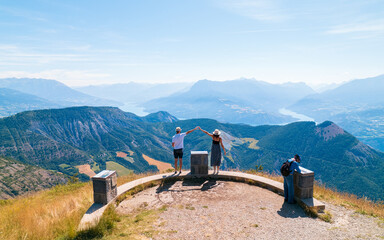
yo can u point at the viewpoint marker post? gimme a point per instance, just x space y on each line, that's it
199 162
104 186
303 183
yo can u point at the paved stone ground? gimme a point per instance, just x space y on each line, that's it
228 210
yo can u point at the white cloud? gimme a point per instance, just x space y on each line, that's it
8 47
10 54
373 26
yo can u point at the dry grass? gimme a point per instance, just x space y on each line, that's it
125 156
360 205
252 143
86 169
139 225
326 216
275 177
162 166
120 169
131 177
121 154
49 214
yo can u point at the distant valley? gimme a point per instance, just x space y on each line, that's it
239 101
133 92
13 101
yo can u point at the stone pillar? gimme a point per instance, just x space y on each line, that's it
303 183
104 186
199 162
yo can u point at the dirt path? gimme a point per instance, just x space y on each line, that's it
228 210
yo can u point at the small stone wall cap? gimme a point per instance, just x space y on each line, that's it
199 152
305 171
104 174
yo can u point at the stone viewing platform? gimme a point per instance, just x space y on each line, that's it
94 213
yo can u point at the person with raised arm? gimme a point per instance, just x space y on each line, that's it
215 149
178 145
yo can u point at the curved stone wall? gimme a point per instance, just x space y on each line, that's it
94 213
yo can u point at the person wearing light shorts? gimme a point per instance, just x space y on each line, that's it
178 145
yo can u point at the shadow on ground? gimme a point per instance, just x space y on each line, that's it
199 184
291 211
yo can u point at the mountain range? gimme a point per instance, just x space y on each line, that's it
13 101
237 101
356 95
62 139
357 106
21 94
133 92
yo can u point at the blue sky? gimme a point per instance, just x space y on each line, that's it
94 42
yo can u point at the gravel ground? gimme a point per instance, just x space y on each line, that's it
200 209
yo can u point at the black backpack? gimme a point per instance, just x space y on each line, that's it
285 168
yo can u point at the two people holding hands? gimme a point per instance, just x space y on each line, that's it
217 144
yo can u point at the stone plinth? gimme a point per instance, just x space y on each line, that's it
303 183
199 162
104 186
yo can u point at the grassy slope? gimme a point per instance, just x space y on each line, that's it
48 214
120 169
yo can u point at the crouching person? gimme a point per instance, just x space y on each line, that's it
292 166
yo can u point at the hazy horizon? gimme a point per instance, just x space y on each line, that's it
317 87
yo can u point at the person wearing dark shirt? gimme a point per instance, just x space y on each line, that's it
289 192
